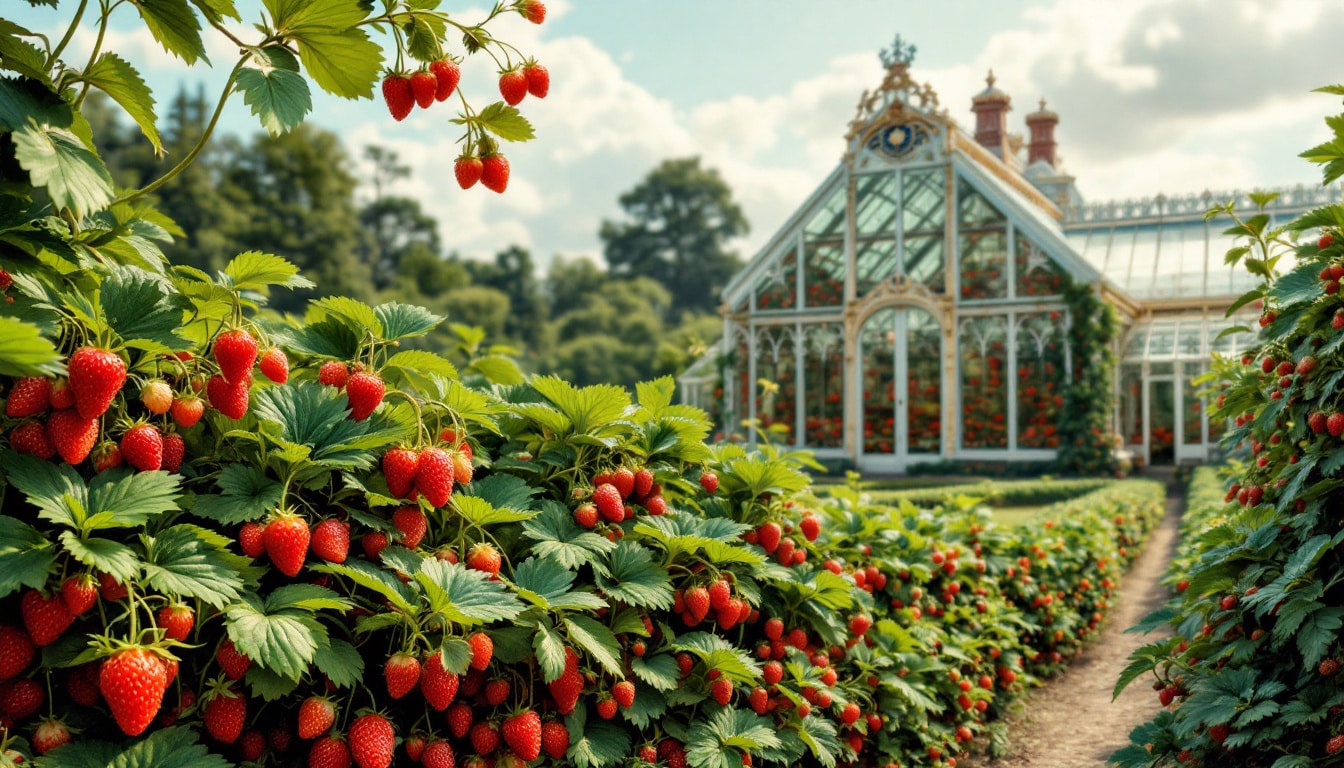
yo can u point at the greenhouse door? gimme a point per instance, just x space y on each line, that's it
1164 429
901 353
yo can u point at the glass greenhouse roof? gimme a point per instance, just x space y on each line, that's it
1194 338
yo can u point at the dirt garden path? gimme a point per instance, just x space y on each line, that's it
1071 722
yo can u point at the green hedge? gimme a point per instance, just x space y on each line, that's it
1008 494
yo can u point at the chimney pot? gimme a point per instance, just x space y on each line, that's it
1041 124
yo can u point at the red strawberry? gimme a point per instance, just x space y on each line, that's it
532 10
142 447
538 79
608 497
31 437
1334 423
468 170
20 698
177 621
29 397
512 86
656 505
79 593
586 515
850 714
62 396
860 624
231 660
402 674
484 737
437 684
415 746
82 684
187 410
331 540
73 435
373 544
174 450
709 481
133 681
462 468
286 538
106 455
697 602
400 98
399 468
606 706
156 396
252 539
719 594
224 715
252 744
96 376
1316 421
229 399
413 525
768 536
483 557
109 588
522 733
438 754
235 352
624 692
46 618
554 739
772 672
316 716
51 734
365 391
447 75
329 752
722 691
16 651
495 172
482 648
334 373
566 688
459 719
424 87
624 480
1336 742
496 692
810 526
274 365
372 741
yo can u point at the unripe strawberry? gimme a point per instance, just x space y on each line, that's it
156 396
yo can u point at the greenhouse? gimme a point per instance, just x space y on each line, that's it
911 310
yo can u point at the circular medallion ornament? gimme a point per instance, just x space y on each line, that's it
898 140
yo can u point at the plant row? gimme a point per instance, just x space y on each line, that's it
997 493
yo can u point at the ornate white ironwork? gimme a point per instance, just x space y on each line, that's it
1289 199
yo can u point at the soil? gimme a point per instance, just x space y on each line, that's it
1071 722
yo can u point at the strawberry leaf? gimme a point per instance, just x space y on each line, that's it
175 26
479 512
594 410
497 369
506 122
354 312
660 671
190 561
547 584
550 650
257 271
162 748
341 663
25 556
595 638
119 498
634 578
718 653
718 741
558 537
601 743
24 351
276 92
338 55
819 734
504 491
57 491
416 365
330 338
282 639
57 159
648 708
404 321
268 685
19 55
117 78
371 577
309 415
103 555
456 655
248 494
465 596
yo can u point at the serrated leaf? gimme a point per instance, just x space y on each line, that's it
256 271
55 158
19 55
415 362
457 654
248 494
550 652
355 312
501 490
274 89
465 596
659 671
597 640
175 26
57 491
600 743
558 537
717 742
341 663
24 351
547 584
370 576
718 653
648 707
120 498
506 122
497 369
478 511
141 306
103 555
284 642
330 338
634 579
306 597
404 321
25 556
337 53
1317 633
820 737
268 685
119 80
311 415
162 748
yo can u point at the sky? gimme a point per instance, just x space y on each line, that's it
1154 96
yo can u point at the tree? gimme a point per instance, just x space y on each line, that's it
681 219
514 273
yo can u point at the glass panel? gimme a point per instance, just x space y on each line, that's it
1131 404
823 385
829 220
878 343
984 265
1138 342
876 261
1161 369
776 391
875 204
1118 255
924 359
1040 380
1037 273
1190 342
1162 422
778 287
974 211
925 198
740 376
1161 341
1143 262
824 274
924 260
984 398
1192 406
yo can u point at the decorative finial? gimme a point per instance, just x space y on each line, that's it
900 53
1042 103
989 79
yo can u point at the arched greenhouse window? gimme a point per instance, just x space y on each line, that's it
1040 379
923 220
776 382
878 341
983 246
824 254
777 287
1037 274
823 385
984 393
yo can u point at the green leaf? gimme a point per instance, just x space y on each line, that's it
193 562
659 671
648 707
217 10
19 55
718 653
55 158
718 741
405 321
269 685
634 578
162 748
308 597
506 122
478 511
120 498
119 80
356 313
25 352
274 89
370 576
497 369
256 271
1317 633
819 735
547 584
341 663
505 491
550 650
139 305
1301 285
600 743
330 338
597 640
174 24
316 417
284 642
337 54
248 495
25 556
57 491
418 362
103 555
465 596
557 536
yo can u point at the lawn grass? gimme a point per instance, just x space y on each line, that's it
1012 517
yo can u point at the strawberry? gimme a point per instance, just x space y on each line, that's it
82 684
16 651
1316 421
624 480
1334 423
329 752
79 593
624 692
286 538
415 746
224 715
483 557
496 692
107 455
6 280
438 754
174 450
495 172
252 539
468 170
484 737
46 618
709 481
512 86
234 663
29 397
459 719
424 87
252 744
850 713
810 526
96 376
586 515
522 733
156 396
402 674
608 497
229 399
109 588
722 691
532 10
446 75
768 536
316 716
51 734
142 447
274 365
31 437
373 544
133 681
334 373
437 684
606 706
719 594
860 624
656 505
400 99
331 540
365 391
177 620
538 79
187 410
554 739
462 468
72 435
566 688
235 352
697 602
413 525
372 741
1336 742
482 648
20 698
399 468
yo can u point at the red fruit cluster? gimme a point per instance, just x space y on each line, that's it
436 82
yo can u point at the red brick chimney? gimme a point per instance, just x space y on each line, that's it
1042 124
991 118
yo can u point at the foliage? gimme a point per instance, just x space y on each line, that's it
1084 422
996 493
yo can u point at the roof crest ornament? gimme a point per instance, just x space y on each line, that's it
898 94
900 53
